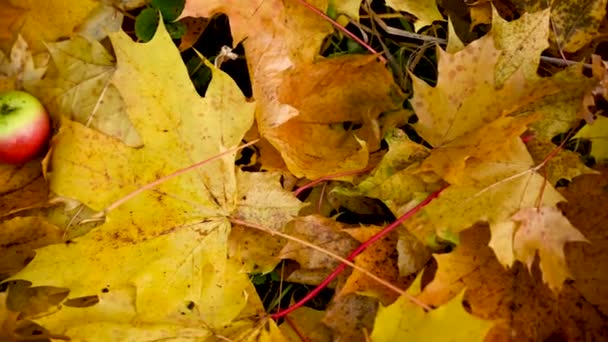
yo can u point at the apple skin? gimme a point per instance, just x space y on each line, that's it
25 127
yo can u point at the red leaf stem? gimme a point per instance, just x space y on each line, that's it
356 252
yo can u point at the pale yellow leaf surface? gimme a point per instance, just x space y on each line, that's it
454 42
116 316
563 165
545 231
79 88
171 243
21 66
597 132
521 41
263 202
100 21
46 21
404 321
426 10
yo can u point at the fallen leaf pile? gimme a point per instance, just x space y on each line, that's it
139 223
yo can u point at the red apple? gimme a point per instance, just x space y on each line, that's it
25 127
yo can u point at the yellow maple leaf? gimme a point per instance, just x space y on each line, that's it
545 230
167 248
465 97
79 88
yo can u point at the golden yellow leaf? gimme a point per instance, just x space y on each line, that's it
466 96
597 132
339 100
167 248
404 321
489 143
426 11
282 41
577 22
561 111
11 18
481 13
47 21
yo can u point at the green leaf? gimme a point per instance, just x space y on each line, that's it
170 9
146 24
176 29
